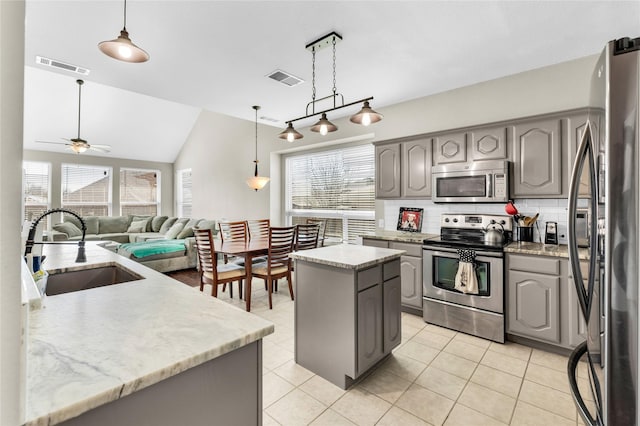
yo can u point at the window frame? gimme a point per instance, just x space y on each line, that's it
343 215
134 204
46 206
107 169
180 204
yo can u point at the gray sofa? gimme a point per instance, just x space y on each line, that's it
138 230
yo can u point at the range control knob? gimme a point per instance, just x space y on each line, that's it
446 219
455 220
503 222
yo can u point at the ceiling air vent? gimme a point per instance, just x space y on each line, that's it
61 65
285 78
271 119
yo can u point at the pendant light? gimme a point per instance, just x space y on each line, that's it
122 48
364 117
256 182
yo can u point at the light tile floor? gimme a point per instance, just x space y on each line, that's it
435 377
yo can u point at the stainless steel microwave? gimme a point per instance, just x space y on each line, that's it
477 182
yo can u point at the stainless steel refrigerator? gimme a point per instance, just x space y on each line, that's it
609 157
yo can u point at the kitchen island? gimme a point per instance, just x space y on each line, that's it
147 352
347 309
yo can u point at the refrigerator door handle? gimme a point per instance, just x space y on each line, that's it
584 154
572 366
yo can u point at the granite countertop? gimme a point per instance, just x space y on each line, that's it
540 249
348 256
399 236
87 348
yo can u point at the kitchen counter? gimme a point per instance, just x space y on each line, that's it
540 249
400 236
347 256
92 347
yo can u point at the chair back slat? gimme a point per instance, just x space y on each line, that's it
323 228
259 229
206 250
307 236
281 240
234 231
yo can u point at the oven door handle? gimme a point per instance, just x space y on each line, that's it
453 254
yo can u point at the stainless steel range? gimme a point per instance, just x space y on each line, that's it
469 244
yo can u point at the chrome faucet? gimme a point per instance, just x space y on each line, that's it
82 257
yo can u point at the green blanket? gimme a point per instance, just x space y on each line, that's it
153 247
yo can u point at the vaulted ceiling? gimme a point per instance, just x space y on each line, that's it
215 55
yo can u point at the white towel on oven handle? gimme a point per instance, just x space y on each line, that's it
466 280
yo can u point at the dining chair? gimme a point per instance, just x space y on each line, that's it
307 236
209 270
259 228
322 231
281 240
233 231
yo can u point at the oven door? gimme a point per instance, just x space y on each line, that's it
440 266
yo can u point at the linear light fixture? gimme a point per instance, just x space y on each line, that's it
364 117
122 48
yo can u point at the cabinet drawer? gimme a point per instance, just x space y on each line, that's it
375 243
391 270
411 249
537 264
369 277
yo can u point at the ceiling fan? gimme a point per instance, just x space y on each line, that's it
79 145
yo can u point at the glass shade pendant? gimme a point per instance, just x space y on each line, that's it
122 48
290 134
256 182
366 115
324 126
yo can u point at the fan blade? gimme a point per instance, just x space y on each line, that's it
101 148
54 143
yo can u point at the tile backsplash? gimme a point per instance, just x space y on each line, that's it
554 210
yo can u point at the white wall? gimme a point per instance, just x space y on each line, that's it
56 160
220 148
12 17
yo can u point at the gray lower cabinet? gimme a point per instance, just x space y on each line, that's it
533 297
537 165
411 275
375 243
346 320
576 325
388 171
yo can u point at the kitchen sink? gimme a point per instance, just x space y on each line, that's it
83 279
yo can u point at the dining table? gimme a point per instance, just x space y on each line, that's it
248 250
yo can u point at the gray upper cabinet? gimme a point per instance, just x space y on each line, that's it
576 125
490 143
388 171
450 148
537 170
416 163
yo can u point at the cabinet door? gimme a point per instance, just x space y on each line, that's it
411 278
576 125
490 143
537 165
388 171
369 327
375 243
534 306
416 168
450 148
392 322
576 326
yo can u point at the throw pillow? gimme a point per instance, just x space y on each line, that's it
157 222
145 218
173 232
68 228
186 232
91 222
137 226
167 224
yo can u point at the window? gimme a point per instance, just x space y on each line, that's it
139 192
184 198
36 190
337 184
86 189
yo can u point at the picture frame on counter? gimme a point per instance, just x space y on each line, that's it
410 219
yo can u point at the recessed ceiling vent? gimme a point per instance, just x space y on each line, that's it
271 119
285 78
61 65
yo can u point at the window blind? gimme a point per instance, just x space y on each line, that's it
139 192
184 196
36 178
337 184
86 189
